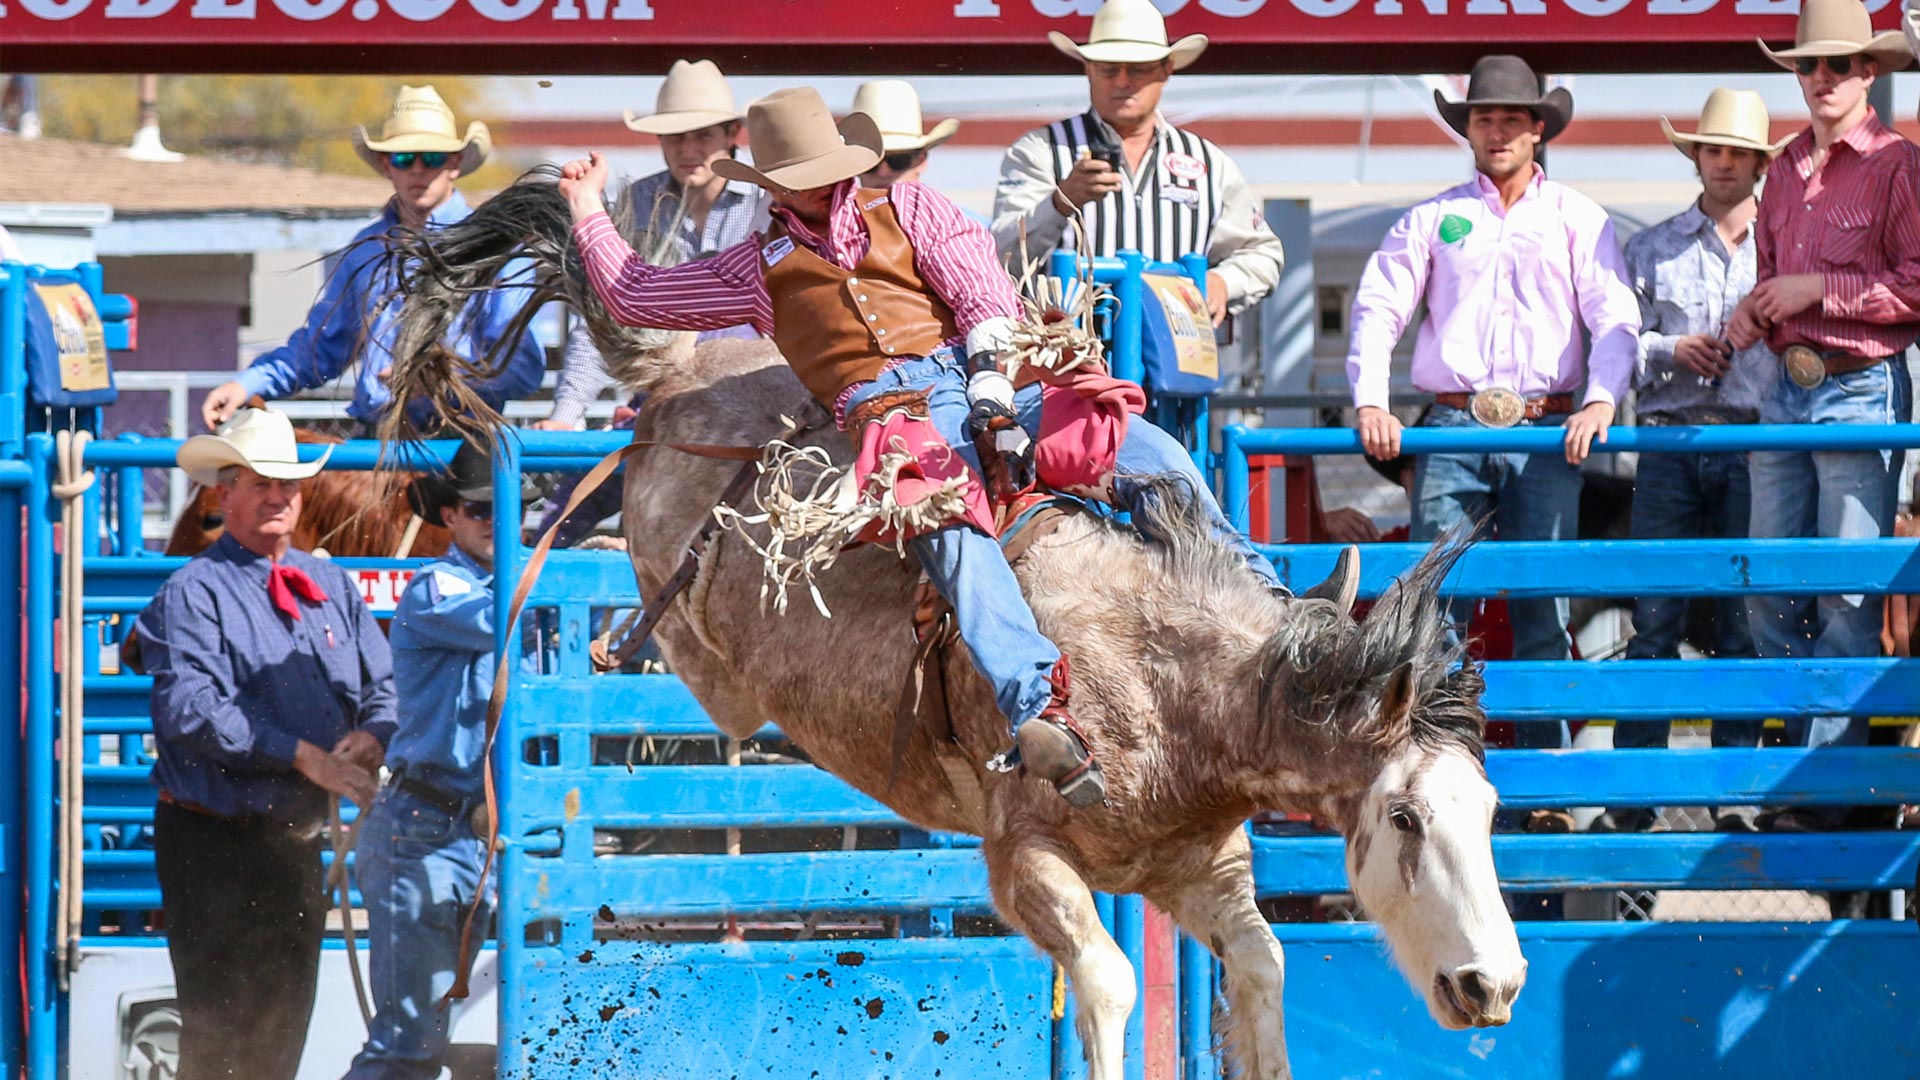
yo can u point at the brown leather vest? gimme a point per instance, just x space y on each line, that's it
838 327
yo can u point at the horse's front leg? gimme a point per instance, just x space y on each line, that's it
1046 899
1216 907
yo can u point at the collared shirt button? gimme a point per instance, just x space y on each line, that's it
873 318
882 332
853 281
863 298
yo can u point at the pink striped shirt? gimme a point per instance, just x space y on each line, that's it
1856 223
954 255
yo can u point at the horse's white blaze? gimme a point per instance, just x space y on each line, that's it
1432 888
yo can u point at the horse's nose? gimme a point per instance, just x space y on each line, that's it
1487 994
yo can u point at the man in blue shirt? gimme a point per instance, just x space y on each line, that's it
272 687
1690 272
355 317
420 860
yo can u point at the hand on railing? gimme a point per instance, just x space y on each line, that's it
1584 427
1379 432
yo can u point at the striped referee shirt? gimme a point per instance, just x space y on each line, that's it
1186 197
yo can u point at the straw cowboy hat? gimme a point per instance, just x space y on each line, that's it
895 109
796 145
694 96
422 122
1130 32
1508 80
1841 28
257 439
1730 118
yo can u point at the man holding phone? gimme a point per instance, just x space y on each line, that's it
1136 181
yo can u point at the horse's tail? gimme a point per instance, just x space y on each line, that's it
521 236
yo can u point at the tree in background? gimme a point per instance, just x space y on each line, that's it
298 120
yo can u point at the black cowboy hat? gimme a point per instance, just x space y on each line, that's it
1508 80
468 478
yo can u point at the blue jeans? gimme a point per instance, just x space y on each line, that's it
1686 497
1827 493
1529 497
968 567
419 869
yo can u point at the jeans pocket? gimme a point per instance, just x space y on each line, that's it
419 830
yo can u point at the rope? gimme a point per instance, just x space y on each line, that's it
343 843
71 489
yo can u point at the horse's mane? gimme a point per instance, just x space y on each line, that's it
1323 670
521 236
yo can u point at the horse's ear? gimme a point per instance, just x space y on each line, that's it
1396 704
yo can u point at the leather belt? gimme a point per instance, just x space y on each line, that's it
1693 418
1497 407
170 799
1809 367
437 797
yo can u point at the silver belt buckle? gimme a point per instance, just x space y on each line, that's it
1804 366
1498 407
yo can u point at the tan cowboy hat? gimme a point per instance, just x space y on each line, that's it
796 145
1730 118
1508 80
1130 32
422 122
257 439
1841 28
694 96
895 109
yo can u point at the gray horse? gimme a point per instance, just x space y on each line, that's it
1205 698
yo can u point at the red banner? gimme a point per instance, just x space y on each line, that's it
902 35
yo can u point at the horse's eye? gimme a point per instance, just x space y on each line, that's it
1404 820
212 521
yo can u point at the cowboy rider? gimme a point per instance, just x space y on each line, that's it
934 332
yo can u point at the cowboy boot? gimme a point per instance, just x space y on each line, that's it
1052 747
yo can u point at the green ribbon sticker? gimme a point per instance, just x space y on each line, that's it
1454 228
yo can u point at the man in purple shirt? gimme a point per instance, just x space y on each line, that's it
1511 267
272 687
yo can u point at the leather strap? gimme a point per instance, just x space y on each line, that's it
1550 405
503 663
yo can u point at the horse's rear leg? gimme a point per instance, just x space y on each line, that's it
1216 907
1045 899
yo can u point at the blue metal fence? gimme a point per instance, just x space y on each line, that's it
1651 1000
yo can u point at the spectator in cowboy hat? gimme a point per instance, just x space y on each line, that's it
1133 179
904 141
1512 268
1688 272
687 206
1838 301
420 857
421 152
272 688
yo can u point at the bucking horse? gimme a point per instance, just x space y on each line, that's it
1205 697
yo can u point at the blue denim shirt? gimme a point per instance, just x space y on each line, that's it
237 684
355 318
1688 283
442 637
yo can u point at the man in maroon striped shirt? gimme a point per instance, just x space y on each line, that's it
1838 300
877 297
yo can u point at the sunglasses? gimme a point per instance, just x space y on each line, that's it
901 162
478 511
432 159
1841 66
